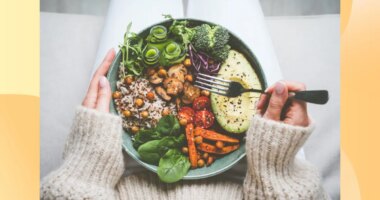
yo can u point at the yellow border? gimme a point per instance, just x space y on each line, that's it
19 113
360 75
19 99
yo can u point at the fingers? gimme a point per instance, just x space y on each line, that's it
104 95
297 114
291 85
91 96
262 101
276 102
106 63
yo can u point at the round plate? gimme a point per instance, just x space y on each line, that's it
221 164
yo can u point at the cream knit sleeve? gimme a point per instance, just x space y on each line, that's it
93 160
273 170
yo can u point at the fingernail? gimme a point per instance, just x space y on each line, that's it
103 81
280 87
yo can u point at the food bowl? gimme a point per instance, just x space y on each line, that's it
221 164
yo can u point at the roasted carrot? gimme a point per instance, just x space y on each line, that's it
214 136
209 148
190 142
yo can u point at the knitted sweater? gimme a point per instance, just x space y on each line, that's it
93 166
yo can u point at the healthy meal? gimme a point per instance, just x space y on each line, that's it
174 124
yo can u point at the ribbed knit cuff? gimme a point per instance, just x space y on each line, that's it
273 171
275 142
93 150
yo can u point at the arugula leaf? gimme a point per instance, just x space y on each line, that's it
131 51
173 166
180 29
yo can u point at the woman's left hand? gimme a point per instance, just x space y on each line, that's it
278 107
98 96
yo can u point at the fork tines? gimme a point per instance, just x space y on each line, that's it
212 84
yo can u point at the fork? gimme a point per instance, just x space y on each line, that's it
230 88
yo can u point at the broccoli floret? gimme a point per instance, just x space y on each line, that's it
221 54
212 40
201 39
221 37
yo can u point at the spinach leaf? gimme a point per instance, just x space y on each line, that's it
170 142
152 151
173 166
168 125
144 136
149 152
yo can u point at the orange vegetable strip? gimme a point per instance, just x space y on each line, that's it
191 144
212 149
214 136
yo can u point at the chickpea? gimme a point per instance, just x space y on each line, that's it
185 150
151 71
205 93
139 102
165 112
116 95
187 62
128 80
198 155
205 155
210 160
219 144
189 78
198 139
162 73
150 96
135 129
183 122
127 113
144 114
201 163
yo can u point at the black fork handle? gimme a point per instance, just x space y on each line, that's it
312 96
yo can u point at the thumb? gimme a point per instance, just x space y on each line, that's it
104 95
276 102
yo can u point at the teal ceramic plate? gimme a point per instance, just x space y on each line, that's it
221 164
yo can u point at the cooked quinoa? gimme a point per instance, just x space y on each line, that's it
138 89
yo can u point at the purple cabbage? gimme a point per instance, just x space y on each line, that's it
200 62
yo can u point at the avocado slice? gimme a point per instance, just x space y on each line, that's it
234 114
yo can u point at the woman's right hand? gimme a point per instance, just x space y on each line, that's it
98 96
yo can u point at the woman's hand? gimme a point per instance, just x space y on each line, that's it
278 107
99 92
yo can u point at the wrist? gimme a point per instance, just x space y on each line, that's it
94 146
270 141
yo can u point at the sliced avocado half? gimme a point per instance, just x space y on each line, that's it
234 114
